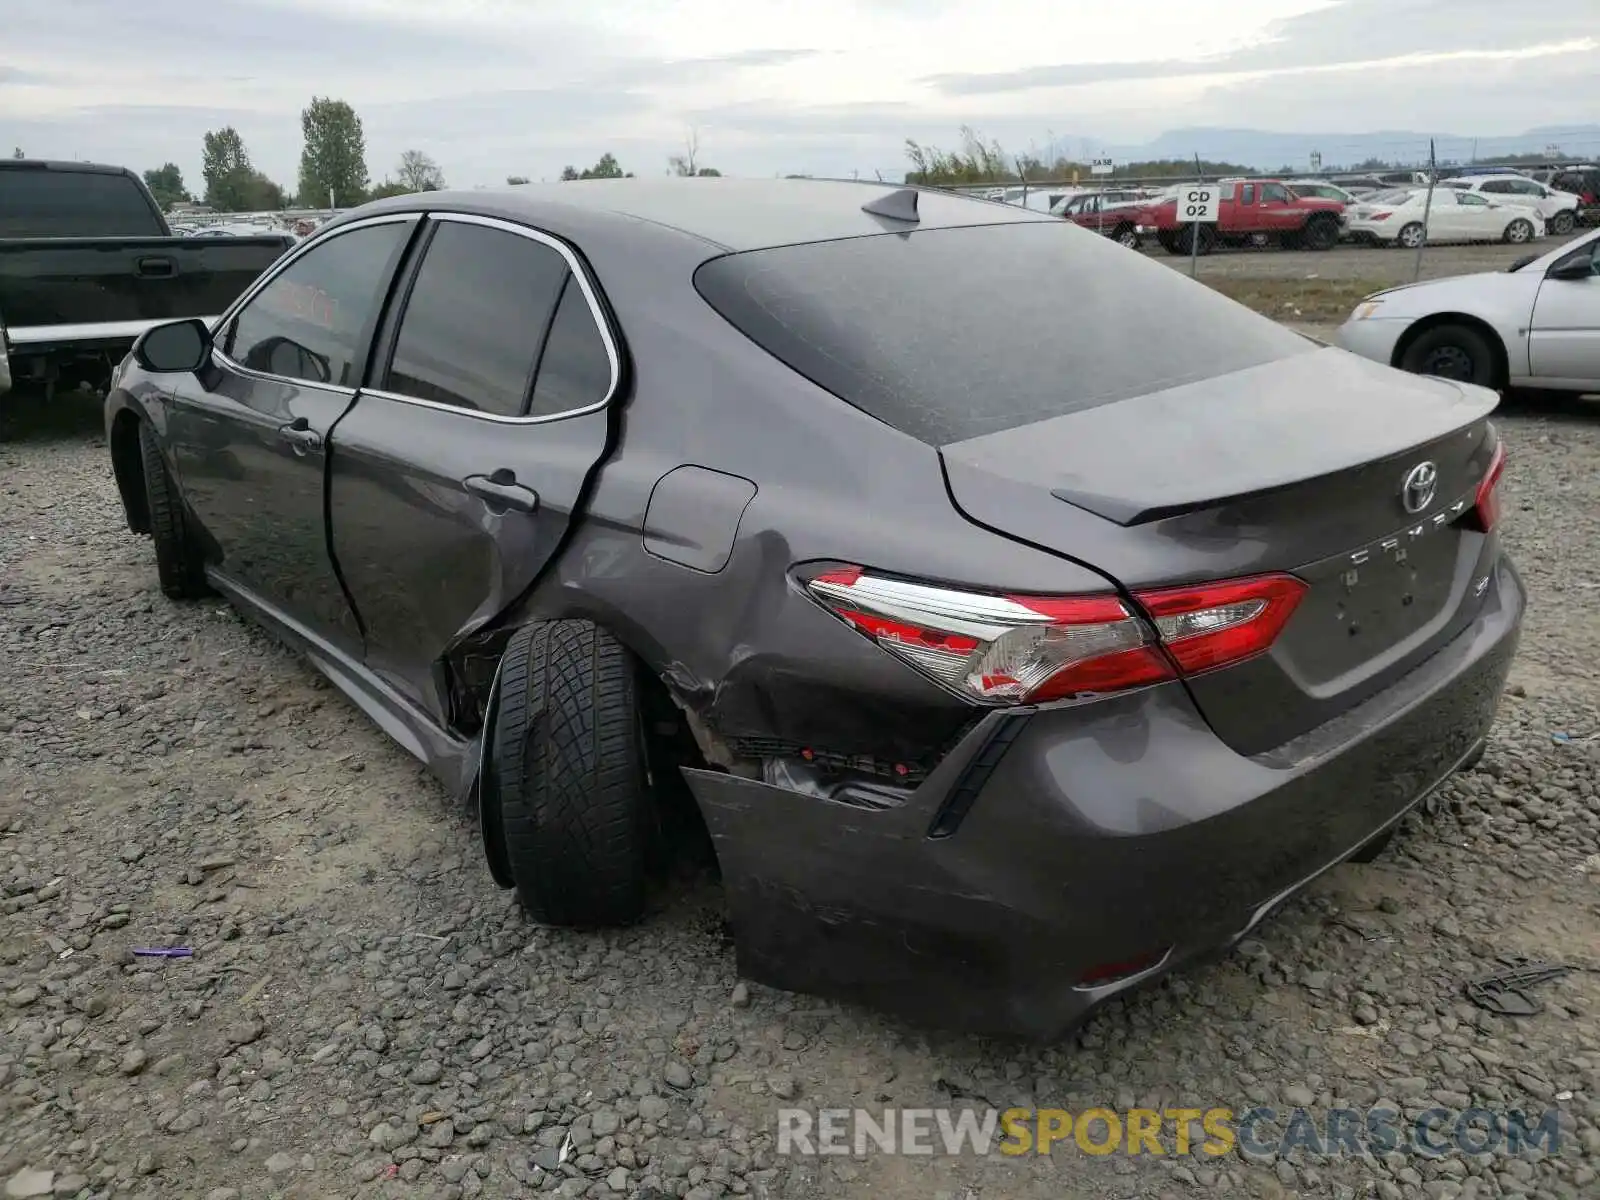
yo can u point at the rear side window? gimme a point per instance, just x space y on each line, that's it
307 324
950 334
40 202
477 315
575 371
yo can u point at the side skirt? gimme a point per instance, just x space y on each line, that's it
452 760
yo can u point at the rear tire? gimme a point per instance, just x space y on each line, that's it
1455 352
180 566
1563 223
1519 232
569 777
1126 235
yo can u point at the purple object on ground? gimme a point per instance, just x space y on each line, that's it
163 952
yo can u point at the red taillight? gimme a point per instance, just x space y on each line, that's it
1486 504
996 649
1380 216
1215 624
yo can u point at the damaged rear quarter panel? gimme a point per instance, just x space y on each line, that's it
743 648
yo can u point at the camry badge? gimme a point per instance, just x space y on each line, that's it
1416 493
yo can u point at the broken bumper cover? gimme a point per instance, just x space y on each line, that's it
1122 832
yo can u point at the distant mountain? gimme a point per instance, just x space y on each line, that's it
1268 151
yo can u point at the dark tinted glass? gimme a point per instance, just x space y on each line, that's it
575 371
48 203
476 316
949 334
307 323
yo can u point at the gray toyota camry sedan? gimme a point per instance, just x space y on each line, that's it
1011 618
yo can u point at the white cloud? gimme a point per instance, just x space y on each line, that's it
496 87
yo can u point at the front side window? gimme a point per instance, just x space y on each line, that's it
1273 191
1497 186
306 324
475 319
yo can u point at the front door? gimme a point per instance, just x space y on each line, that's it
249 431
1564 342
455 475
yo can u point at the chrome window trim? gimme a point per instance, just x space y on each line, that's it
596 314
337 389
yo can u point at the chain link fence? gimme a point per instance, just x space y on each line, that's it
1306 250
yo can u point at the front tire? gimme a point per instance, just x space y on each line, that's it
180 566
1455 352
1410 237
1519 232
1563 223
568 775
1321 234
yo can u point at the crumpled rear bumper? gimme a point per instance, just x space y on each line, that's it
1118 831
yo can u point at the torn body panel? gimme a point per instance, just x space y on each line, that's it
1076 853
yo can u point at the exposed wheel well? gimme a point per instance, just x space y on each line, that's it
1502 366
128 467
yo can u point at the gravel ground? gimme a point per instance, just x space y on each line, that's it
365 1014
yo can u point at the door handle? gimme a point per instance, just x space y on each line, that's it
501 491
157 266
299 434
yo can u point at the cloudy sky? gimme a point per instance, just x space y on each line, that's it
497 87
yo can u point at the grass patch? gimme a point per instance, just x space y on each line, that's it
1317 301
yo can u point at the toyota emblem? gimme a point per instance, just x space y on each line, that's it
1416 493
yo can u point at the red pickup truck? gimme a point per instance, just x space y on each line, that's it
1252 212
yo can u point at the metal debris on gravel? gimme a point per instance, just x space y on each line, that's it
171 777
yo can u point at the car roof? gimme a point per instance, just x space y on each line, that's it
733 214
53 164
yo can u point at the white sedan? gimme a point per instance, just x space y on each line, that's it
1536 325
1396 219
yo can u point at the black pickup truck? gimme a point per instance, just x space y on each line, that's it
87 263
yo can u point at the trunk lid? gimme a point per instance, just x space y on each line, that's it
1298 465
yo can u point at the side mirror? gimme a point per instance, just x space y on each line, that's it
174 348
1578 268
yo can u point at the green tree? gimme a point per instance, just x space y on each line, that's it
606 168
419 173
166 185
389 187
513 180
17 153
262 194
333 161
225 164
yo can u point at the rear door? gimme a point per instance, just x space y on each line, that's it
459 468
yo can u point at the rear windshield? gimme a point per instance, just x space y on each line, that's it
950 334
38 202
